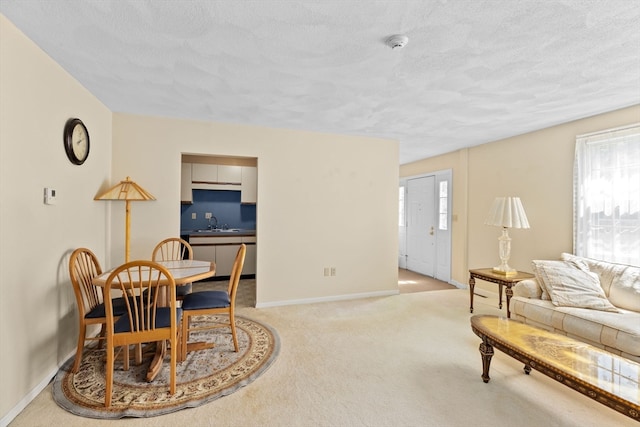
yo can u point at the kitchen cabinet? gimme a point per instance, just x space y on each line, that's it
225 256
186 195
229 174
222 250
249 193
205 176
202 172
250 259
216 174
205 253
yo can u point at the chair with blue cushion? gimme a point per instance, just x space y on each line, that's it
151 315
173 249
83 267
213 302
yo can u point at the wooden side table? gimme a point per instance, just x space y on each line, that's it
488 275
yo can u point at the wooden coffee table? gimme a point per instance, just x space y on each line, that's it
609 379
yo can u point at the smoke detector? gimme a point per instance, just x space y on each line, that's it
397 41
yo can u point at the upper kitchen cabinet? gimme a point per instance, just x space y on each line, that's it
202 172
249 193
206 176
216 174
219 173
186 195
229 174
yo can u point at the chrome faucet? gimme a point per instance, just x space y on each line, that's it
214 227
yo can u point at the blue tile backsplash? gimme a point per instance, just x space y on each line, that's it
225 205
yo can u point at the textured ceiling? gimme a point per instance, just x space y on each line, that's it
473 71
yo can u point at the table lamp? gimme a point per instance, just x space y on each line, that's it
506 212
128 191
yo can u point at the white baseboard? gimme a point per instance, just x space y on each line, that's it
459 285
327 299
24 402
4 422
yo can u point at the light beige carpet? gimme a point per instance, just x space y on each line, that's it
410 281
403 360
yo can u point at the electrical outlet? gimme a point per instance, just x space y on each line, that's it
207 215
194 215
333 271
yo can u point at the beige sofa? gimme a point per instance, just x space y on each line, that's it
594 301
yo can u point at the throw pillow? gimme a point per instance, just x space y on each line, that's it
569 286
534 266
579 262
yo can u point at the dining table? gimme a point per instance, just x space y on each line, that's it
183 272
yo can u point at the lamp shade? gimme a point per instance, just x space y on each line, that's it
507 212
128 191
125 190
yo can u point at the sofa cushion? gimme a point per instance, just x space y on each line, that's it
615 332
528 288
625 291
620 282
570 286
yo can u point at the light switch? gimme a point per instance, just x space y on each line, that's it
49 196
193 215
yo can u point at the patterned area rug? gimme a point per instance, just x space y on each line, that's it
206 375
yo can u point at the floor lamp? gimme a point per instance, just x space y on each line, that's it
128 191
506 212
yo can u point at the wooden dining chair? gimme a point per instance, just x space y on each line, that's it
172 249
83 267
152 315
213 302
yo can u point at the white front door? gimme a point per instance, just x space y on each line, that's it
421 225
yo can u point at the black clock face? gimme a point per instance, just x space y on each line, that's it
76 141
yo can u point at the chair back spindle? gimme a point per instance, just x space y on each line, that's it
174 249
83 268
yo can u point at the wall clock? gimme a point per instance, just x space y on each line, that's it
76 141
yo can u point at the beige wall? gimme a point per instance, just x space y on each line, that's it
38 323
318 205
537 167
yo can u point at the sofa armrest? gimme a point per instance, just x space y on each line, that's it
529 288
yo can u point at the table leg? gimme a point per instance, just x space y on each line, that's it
472 284
486 350
161 346
509 293
156 362
500 295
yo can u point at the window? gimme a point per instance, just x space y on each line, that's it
442 206
401 207
607 195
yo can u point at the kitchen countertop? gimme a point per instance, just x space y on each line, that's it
219 232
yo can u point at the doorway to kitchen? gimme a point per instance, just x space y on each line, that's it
218 211
424 224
